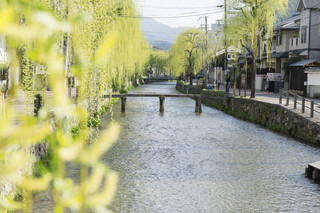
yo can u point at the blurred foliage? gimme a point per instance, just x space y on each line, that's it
89 40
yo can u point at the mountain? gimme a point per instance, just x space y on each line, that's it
160 35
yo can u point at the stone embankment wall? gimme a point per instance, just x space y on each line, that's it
272 116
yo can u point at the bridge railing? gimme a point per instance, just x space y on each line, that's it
299 101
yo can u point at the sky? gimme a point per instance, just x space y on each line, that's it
198 9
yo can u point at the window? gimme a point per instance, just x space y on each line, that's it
303 34
279 40
274 45
291 42
297 41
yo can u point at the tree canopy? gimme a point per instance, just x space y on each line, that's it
253 24
158 62
185 55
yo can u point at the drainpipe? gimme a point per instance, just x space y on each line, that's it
309 41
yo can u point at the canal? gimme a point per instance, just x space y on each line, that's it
181 161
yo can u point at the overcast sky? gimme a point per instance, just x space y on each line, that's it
174 8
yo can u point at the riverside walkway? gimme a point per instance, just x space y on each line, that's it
273 98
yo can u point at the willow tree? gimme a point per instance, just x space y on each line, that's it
185 55
214 45
241 42
101 22
158 62
112 21
255 21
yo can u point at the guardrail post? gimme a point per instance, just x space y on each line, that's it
123 103
288 98
312 109
280 96
197 105
200 106
295 101
303 104
161 98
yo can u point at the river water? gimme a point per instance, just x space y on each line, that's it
181 161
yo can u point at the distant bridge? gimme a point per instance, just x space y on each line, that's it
198 107
159 79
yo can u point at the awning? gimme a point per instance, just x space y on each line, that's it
304 63
297 52
281 55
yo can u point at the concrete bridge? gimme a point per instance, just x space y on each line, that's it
198 107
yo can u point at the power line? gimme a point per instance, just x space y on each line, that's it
173 16
176 8
191 13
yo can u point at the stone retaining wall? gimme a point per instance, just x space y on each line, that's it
272 116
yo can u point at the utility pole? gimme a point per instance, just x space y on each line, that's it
225 39
205 49
206 59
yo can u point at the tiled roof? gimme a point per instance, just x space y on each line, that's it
288 23
304 63
311 4
290 26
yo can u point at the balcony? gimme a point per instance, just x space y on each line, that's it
294 43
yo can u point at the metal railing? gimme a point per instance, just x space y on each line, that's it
299 100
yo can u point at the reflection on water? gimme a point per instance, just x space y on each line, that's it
181 161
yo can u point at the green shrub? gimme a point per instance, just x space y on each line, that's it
94 122
278 128
75 131
103 109
96 114
124 91
219 93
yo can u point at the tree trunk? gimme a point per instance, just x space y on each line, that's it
253 80
191 79
235 81
204 85
246 84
